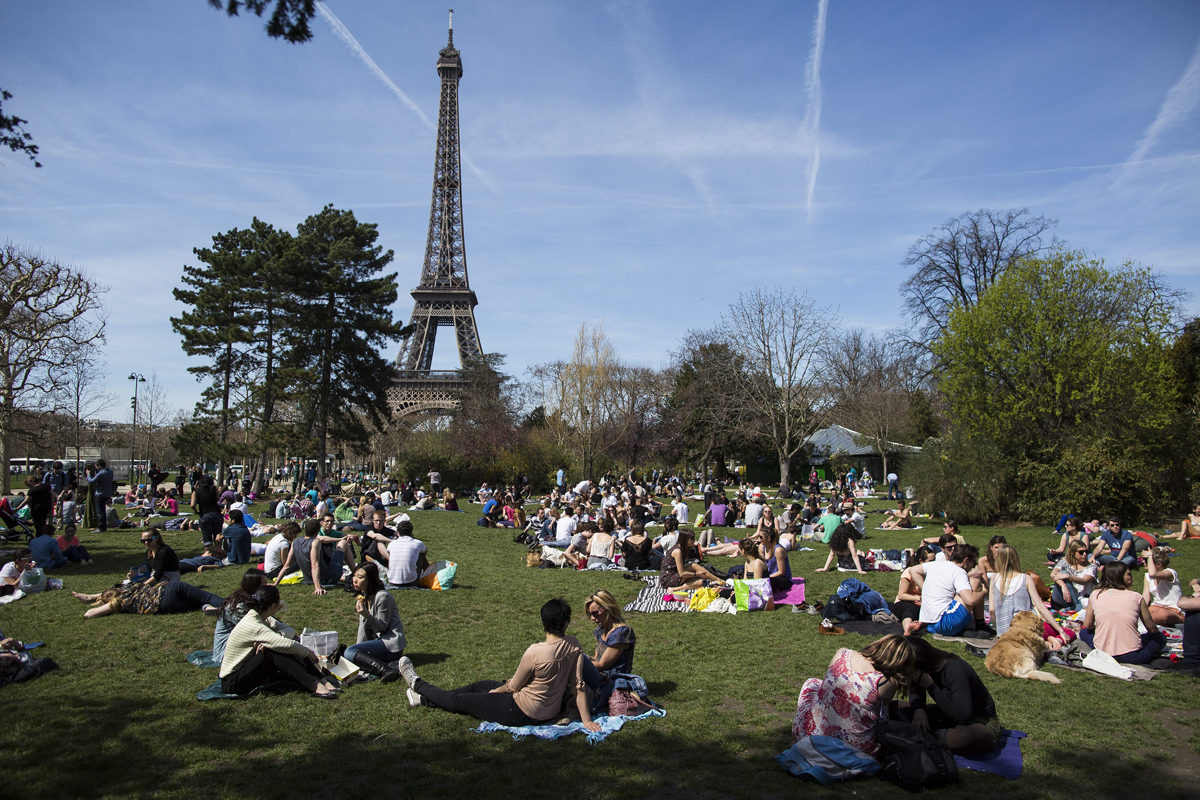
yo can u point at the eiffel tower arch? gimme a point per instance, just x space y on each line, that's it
443 298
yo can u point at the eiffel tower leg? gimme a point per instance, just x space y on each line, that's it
467 334
417 351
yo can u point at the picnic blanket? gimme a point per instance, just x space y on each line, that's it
1005 760
793 595
203 659
650 600
913 528
866 627
608 726
1137 672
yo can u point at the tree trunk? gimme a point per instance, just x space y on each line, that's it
326 386
225 410
785 470
261 482
6 415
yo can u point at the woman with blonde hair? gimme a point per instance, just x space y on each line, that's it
855 692
615 642
1012 590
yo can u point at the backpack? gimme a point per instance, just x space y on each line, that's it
912 759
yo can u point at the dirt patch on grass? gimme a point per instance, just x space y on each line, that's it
1182 762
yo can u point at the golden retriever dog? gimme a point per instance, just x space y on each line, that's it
1018 653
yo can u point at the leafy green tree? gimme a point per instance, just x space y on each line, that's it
339 323
922 422
1063 354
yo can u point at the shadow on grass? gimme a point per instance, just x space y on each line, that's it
422 659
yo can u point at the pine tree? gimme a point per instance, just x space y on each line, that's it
341 320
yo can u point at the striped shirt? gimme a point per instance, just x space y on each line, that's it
251 631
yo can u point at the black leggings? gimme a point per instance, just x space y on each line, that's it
179 597
269 665
477 700
904 609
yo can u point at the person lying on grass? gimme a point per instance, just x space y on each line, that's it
963 715
169 597
213 557
256 653
1012 590
901 518
548 680
842 546
948 599
854 693
318 554
1111 621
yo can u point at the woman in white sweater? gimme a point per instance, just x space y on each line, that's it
256 652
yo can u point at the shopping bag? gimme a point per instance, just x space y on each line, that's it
753 595
439 575
32 581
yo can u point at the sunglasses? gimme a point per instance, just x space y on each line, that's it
147 541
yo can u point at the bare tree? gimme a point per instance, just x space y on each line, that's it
776 337
954 264
47 311
870 379
81 394
153 415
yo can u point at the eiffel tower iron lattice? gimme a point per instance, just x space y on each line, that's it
443 297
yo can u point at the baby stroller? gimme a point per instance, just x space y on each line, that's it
14 525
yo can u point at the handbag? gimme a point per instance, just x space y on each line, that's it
753 595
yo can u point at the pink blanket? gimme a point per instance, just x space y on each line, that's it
794 596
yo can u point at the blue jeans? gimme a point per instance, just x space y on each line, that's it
1128 560
1152 645
598 683
376 649
1072 600
102 511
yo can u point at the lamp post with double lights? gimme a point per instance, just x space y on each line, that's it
136 378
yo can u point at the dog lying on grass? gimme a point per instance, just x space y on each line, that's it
1018 653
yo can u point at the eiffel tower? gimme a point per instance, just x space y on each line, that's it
443 297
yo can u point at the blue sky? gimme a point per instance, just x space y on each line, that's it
638 163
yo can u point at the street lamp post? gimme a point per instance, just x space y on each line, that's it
136 378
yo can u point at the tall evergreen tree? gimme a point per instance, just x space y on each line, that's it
341 320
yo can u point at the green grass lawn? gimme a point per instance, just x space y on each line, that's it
120 717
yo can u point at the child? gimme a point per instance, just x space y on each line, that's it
69 544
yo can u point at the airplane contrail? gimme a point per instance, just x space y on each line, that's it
812 114
1181 100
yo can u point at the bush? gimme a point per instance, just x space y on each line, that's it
965 477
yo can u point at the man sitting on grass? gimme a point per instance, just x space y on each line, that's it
947 600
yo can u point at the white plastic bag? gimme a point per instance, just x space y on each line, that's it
1102 662
32 581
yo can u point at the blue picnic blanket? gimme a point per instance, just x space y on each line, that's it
1005 760
203 658
608 726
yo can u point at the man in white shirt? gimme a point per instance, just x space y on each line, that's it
404 553
385 497
893 486
583 488
680 510
564 531
754 510
947 600
277 548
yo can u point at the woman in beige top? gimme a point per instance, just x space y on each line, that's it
549 676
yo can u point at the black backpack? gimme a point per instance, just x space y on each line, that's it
912 758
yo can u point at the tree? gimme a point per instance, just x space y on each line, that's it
957 262
153 414
1065 357
13 136
483 426
704 400
340 321
870 382
777 339
48 311
289 20
81 395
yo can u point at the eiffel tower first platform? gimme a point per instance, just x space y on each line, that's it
443 297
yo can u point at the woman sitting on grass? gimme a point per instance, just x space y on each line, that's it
381 639
843 546
1190 529
1111 621
1012 591
69 544
170 597
1162 589
907 606
449 501
1074 576
548 679
615 642
1073 532
855 692
677 572
234 608
900 519
778 569
963 715
257 653
637 548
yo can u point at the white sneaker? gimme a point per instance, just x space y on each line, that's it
408 671
414 699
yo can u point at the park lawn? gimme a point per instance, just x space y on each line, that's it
120 718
